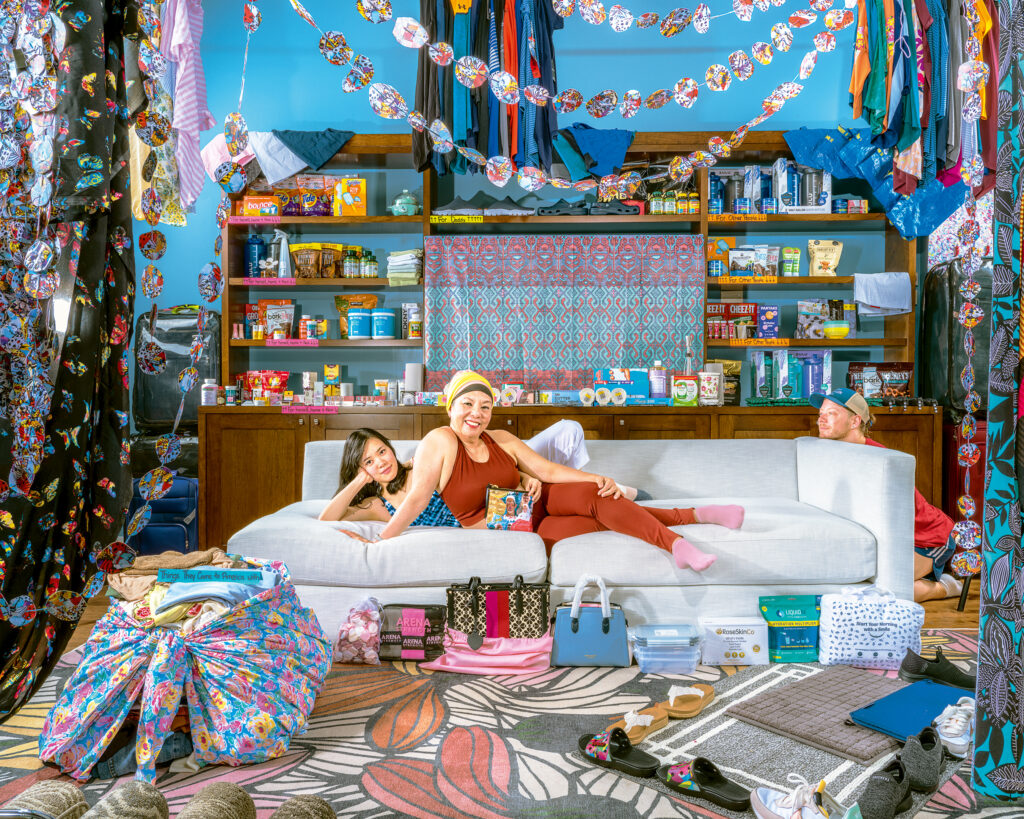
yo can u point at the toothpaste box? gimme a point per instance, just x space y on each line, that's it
734 641
792 626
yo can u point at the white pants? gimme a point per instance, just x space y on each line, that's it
561 443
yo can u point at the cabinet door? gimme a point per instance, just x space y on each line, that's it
500 419
595 424
250 464
398 426
663 425
767 424
917 434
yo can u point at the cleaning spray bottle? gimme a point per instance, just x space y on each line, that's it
284 268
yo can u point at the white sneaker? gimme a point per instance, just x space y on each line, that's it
955 726
803 802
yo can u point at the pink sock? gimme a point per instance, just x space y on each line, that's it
731 517
689 556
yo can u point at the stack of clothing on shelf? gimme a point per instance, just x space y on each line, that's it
405 267
219 640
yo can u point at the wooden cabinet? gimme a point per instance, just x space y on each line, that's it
662 425
771 422
250 464
396 426
906 432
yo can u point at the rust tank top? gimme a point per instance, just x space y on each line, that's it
466 489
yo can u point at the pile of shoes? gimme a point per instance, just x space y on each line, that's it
140 800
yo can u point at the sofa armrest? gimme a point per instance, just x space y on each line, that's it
871 486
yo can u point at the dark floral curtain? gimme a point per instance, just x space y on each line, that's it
64 346
999 738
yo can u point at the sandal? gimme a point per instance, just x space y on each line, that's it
687 701
612 749
640 725
563 208
701 778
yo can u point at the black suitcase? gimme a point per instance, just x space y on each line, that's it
173 522
942 356
155 398
144 457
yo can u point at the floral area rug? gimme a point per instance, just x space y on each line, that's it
396 740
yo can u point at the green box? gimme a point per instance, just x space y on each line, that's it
792 626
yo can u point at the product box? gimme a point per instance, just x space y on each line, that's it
734 641
260 205
731 371
790 261
792 626
684 391
252 316
787 374
634 382
804 356
761 373
767 321
783 192
350 196
741 261
717 249
752 182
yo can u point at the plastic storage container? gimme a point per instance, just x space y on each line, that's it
666 649
383 323
358 323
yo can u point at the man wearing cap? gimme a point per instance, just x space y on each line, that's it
844 415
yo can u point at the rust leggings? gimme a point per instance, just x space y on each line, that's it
570 509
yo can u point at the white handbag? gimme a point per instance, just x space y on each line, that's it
868 627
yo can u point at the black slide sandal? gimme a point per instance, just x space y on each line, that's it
702 779
614 750
613 208
563 208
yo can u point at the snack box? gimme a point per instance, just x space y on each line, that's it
734 640
350 196
792 626
767 321
665 649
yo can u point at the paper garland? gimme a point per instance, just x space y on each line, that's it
620 19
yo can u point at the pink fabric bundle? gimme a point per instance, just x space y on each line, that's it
497 656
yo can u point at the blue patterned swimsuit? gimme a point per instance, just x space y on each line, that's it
437 513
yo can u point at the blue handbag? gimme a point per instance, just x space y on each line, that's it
590 633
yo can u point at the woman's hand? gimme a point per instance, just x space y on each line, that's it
361 479
606 487
531 486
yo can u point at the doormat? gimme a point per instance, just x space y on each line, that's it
816 711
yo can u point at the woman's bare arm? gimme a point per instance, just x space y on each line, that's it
340 507
423 482
548 471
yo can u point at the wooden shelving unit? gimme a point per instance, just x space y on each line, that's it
331 342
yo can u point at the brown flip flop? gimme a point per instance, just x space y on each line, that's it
687 701
638 725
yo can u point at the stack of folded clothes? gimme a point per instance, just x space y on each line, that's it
405 267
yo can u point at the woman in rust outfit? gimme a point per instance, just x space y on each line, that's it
462 459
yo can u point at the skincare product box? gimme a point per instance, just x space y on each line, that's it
734 641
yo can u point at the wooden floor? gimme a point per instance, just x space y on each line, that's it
937 614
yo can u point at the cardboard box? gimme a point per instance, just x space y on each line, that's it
767 321
268 205
350 196
734 641
634 382
761 373
787 374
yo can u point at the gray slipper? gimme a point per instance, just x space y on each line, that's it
133 800
224 800
62 800
304 806
887 792
922 755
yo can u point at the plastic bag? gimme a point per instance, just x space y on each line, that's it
359 636
867 627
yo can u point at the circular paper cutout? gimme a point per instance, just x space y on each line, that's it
470 71
410 33
471 154
966 535
531 179
968 427
236 133
741 65
441 53
675 21
359 76
564 8
970 315
568 101
702 18
804 17
211 281
600 105
966 506
41 285
537 94
821 5
807 64
152 281
229 175
838 19
619 18
719 147
966 564
505 87
782 37
702 159
334 48
152 244
156 483
152 128
658 99
762 52
39 256
631 103
251 17
825 41
593 11
686 91
417 120
441 136
647 20
386 102
717 77
139 519
375 11
152 360
499 170
743 9
680 169
187 379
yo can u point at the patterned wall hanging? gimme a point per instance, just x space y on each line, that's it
545 310
999 729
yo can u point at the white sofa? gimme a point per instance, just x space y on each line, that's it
820 515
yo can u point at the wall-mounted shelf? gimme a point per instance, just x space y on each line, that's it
780 281
756 343
328 342
304 282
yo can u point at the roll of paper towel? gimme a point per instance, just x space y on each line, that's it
414 378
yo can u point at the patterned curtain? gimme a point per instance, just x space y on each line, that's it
544 311
999 737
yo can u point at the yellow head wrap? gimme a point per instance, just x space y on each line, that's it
466 381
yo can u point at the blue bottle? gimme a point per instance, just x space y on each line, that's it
255 252
813 374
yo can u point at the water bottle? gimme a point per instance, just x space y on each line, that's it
813 373
255 252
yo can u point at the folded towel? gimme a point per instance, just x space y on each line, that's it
882 294
277 160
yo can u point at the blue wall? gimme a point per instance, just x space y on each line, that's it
290 85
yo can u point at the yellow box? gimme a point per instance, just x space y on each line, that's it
260 205
350 197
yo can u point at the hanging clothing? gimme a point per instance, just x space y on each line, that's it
545 23
934 137
510 45
191 115
427 89
861 61
955 99
496 112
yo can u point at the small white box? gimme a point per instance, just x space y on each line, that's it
734 641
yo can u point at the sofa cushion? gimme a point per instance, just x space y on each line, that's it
316 553
781 541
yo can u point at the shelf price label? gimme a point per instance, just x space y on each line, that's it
267 282
302 409
746 279
455 219
737 217
254 220
292 342
758 342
